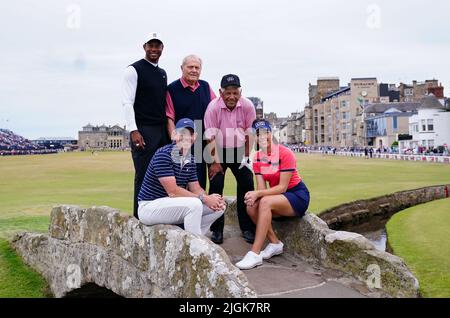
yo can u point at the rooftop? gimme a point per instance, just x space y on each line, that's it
56 138
335 93
428 102
363 78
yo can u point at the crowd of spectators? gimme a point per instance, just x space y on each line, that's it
12 144
369 151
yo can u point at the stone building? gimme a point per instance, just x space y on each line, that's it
103 137
417 90
283 133
324 86
337 120
389 93
422 120
259 106
296 128
429 126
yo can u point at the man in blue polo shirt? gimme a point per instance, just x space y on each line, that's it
171 193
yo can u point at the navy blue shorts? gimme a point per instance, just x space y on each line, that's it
298 197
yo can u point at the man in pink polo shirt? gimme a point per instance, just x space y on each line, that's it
228 122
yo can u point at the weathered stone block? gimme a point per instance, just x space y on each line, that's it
99 245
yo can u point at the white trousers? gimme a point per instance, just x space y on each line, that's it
197 217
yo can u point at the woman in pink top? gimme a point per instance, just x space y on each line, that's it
287 195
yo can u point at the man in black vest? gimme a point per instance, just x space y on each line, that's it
188 97
145 88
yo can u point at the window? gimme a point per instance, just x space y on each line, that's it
430 143
424 127
394 123
430 125
424 143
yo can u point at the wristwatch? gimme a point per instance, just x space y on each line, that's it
202 198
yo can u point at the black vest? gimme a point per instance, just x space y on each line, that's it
150 100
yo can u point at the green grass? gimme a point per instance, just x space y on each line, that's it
421 236
31 185
17 280
336 180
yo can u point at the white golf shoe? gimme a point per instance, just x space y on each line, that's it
272 250
250 260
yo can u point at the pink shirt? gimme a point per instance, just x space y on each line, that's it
281 159
170 111
229 127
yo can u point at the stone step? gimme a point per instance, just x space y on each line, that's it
287 276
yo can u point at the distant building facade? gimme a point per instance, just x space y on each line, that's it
56 142
429 127
385 122
337 120
295 126
283 134
324 87
103 137
417 90
259 106
389 93
336 114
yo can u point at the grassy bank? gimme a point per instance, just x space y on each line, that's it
421 236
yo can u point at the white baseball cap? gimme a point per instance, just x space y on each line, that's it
154 36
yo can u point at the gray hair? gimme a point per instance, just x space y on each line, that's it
191 57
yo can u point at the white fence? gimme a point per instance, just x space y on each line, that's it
422 158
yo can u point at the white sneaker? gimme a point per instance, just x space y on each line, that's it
272 250
250 260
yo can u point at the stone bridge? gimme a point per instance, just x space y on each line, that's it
363 213
102 247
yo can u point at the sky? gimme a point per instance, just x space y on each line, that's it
62 62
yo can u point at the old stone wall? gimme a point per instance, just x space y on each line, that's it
379 209
113 250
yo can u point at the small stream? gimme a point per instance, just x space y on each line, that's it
378 238
375 232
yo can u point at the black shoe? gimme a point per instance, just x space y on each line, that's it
217 237
248 236
180 225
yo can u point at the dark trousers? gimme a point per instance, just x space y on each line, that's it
155 137
201 174
244 180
